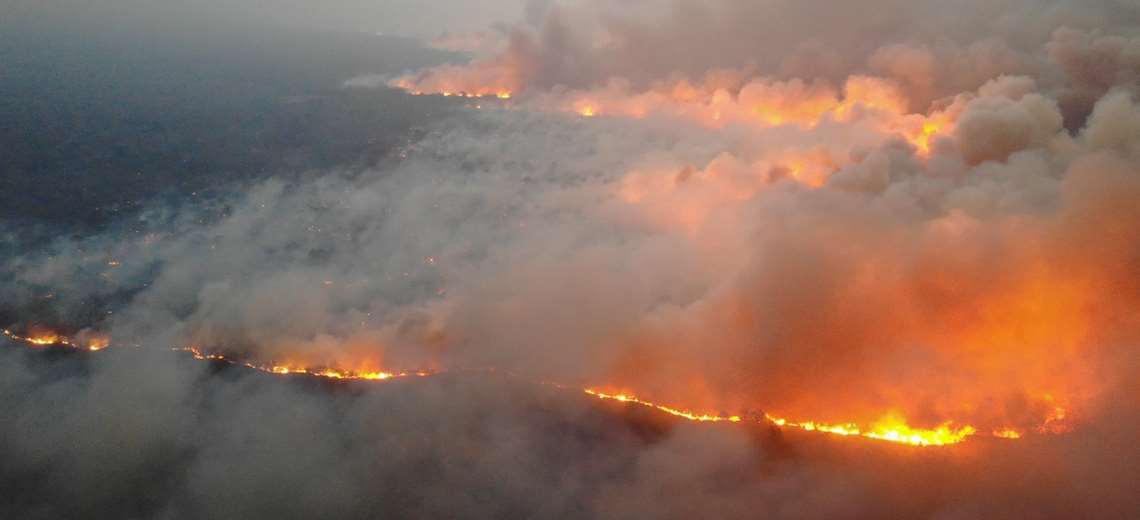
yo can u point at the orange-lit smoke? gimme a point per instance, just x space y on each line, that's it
920 329
928 330
995 325
717 102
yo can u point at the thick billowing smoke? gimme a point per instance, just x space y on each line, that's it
899 210
934 49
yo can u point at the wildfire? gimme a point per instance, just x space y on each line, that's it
894 428
328 373
98 343
44 340
1055 422
667 409
286 370
1007 433
764 102
91 342
40 339
891 428
474 92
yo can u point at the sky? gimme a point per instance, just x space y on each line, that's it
419 18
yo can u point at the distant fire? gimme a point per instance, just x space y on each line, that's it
329 373
692 416
87 341
587 111
877 102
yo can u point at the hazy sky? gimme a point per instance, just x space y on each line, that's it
425 18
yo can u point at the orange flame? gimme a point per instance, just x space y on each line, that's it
39 339
692 416
327 373
86 341
891 428
1007 433
43 339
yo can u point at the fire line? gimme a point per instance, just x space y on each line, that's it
891 428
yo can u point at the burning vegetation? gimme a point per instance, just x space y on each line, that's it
42 339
